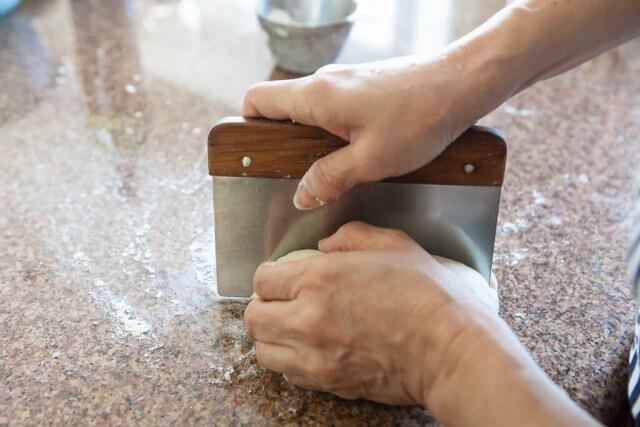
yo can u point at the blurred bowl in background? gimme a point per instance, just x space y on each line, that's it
7 6
304 35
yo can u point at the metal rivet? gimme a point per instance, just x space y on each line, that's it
469 168
246 162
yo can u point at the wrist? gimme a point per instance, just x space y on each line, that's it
486 377
434 324
488 68
474 75
500 58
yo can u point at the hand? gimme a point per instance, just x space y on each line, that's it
363 323
376 317
397 114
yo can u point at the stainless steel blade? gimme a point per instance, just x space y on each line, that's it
255 221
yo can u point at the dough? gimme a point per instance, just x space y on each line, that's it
298 255
487 293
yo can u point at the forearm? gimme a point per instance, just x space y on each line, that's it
531 40
487 378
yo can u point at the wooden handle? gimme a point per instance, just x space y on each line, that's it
282 149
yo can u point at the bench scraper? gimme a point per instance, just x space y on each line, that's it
450 206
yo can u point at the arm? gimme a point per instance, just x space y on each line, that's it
420 338
401 113
488 378
531 40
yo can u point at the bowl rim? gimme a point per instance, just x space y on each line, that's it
348 19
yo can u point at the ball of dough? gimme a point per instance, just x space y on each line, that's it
486 293
297 255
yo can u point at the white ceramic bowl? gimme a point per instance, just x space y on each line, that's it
304 35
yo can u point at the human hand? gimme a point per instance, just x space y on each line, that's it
371 318
397 114
376 317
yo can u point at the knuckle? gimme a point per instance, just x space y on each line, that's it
396 238
328 68
307 321
251 92
351 229
351 226
328 179
322 270
317 90
398 235
304 102
321 81
259 279
336 70
299 326
249 311
313 316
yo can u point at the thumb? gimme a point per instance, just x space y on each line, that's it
327 179
360 236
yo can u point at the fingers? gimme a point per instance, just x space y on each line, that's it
277 281
359 236
268 99
327 179
306 100
277 358
265 320
279 99
285 360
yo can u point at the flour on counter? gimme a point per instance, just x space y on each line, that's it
202 255
130 321
121 311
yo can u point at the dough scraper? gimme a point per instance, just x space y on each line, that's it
449 206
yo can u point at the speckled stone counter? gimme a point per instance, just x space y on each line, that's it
108 305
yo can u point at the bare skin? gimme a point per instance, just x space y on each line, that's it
376 317
400 113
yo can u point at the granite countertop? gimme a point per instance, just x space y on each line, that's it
108 304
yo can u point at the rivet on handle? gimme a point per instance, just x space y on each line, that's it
246 162
469 168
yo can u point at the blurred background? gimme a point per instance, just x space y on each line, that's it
152 37
221 37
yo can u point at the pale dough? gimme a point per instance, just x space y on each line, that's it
297 255
486 293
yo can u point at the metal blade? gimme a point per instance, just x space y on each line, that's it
255 221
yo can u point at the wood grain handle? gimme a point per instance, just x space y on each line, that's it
263 148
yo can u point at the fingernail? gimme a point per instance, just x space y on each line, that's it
321 241
304 200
